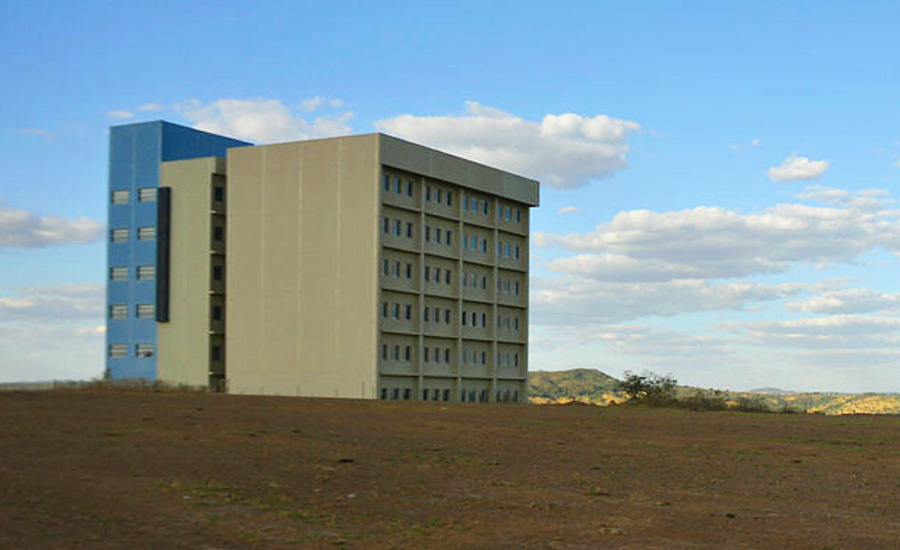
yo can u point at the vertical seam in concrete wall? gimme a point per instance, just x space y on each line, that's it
262 263
299 281
337 276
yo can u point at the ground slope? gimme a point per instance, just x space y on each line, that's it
83 469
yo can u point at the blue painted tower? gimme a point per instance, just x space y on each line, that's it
135 154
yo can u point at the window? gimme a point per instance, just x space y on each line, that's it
446 395
118 351
447 276
408 312
147 194
397 184
484 207
384 352
217 273
409 229
145 272
218 193
384 309
216 353
409 271
408 355
437 235
449 198
516 255
518 219
387 184
144 350
398 227
474 204
484 319
449 237
447 316
447 355
409 188
147 233
437 275
397 268
218 234
396 353
427 192
484 246
396 311
145 311
406 394
427 314
216 313
395 394
436 395
437 355
517 288
119 235
385 224
427 233
424 394
426 355
465 202
386 267
462 395
437 195
118 273
484 282
484 358
427 273
118 311
121 197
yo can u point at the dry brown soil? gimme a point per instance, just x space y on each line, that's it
108 469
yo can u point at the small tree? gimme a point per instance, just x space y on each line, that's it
648 387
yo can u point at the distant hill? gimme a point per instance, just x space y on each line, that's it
598 388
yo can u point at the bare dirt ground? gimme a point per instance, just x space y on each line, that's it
108 469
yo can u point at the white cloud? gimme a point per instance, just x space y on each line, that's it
852 300
39 132
796 168
53 303
714 242
24 229
832 332
737 146
562 151
150 107
575 300
312 103
261 120
122 114
567 210
755 142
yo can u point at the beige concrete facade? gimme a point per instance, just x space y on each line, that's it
371 267
191 344
360 267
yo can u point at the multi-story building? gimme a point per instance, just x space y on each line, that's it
363 266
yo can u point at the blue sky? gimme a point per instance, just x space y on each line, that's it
718 178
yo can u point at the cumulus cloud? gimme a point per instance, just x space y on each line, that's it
795 168
53 303
261 120
574 300
147 107
834 331
24 229
121 114
714 242
567 210
563 151
851 300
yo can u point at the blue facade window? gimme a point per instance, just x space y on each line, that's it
135 154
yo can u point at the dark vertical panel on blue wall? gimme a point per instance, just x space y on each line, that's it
163 233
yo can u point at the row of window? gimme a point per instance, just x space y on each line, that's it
509 214
443 355
148 272
389 226
142 311
121 234
144 272
440 236
438 275
474 316
397 185
438 195
120 351
507 250
507 285
123 196
392 311
508 322
443 394
448 275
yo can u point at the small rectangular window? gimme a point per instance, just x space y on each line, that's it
424 394
386 267
427 193
395 394
218 234
516 255
484 319
437 275
121 197
147 233
217 313
386 224
119 235
216 354
409 185
384 309
384 352
518 219
218 193
436 395
408 355
145 311
484 206
396 311
118 311
387 182
397 184
409 227
427 273
118 351
408 312
446 355
147 194
396 353
449 198
427 234
217 273
447 316
447 276
146 272
409 271
449 237
118 273
437 235
406 394
426 354
465 202
427 313
446 394
437 195
144 350
398 227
